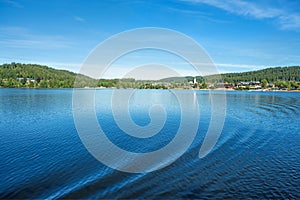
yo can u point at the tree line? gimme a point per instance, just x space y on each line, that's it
17 75
271 75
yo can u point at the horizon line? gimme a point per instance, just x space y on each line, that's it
186 75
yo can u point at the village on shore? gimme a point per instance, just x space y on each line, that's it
195 85
247 85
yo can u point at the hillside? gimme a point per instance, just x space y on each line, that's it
270 74
16 75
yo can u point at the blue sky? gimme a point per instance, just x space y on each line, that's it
239 35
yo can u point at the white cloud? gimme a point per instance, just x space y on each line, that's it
13 3
284 18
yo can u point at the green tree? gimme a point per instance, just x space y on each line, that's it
264 83
43 84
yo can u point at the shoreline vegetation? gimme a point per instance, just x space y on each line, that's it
17 75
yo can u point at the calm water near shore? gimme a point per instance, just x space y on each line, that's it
257 155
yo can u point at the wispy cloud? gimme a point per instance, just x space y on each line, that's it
196 13
79 19
291 21
284 18
12 3
19 37
37 43
242 8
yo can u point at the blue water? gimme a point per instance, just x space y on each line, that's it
257 155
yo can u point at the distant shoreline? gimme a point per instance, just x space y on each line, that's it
18 75
99 88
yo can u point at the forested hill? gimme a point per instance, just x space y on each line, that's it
270 74
37 76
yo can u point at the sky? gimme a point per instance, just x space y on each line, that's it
238 35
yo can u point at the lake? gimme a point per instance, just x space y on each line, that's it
256 156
